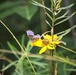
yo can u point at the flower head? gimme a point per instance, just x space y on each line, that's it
48 42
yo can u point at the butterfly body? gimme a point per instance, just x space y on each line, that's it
31 35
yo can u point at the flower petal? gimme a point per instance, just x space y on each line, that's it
29 32
51 46
43 49
55 37
47 36
36 43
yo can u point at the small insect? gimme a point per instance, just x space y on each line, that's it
31 35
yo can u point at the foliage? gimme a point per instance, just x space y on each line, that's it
29 63
18 8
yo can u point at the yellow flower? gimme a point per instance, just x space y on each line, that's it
48 42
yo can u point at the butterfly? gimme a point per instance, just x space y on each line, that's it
31 35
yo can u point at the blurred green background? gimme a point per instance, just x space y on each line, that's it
21 15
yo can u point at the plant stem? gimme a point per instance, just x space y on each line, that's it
52 31
23 56
12 36
56 67
52 53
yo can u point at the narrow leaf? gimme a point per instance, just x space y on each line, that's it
13 49
65 19
65 32
38 4
67 49
67 7
28 47
63 16
49 16
23 40
8 66
70 70
19 67
39 64
64 60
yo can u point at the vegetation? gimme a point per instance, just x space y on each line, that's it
39 44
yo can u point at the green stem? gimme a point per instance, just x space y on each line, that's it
52 62
22 57
12 35
52 30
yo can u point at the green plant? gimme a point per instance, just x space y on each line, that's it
51 63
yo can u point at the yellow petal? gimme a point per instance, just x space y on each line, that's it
51 46
55 36
55 42
43 49
47 36
36 43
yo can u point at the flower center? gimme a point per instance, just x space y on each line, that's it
45 41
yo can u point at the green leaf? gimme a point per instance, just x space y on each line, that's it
65 32
19 67
64 60
70 69
67 7
6 13
40 5
8 8
23 40
63 16
28 47
11 46
65 19
43 65
14 49
9 5
8 66
49 16
27 12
